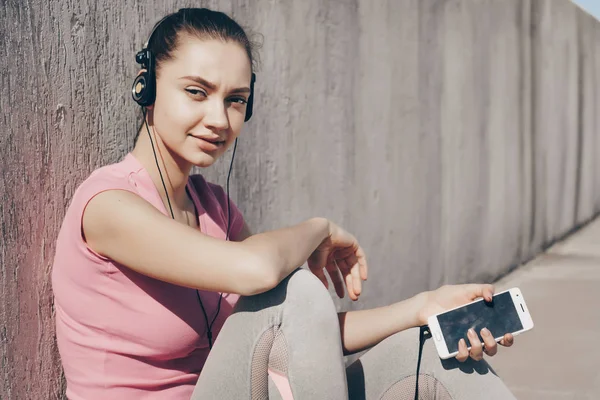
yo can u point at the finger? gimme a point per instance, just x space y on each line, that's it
362 262
355 267
477 290
353 256
508 340
463 352
335 277
343 252
488 293
476 348
345 263
318 260
346 271
356 282
349 286
491 348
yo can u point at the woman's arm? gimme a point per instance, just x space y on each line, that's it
124 227
365 328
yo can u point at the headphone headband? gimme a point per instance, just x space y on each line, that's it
155 28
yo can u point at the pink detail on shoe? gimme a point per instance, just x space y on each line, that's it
282 383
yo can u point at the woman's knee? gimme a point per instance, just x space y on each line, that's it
301 291
305 282
308 293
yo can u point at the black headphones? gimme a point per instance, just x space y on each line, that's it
143 89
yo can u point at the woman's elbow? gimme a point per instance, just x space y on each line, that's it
260 276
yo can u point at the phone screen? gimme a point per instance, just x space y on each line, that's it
499 316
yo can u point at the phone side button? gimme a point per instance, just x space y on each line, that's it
438 336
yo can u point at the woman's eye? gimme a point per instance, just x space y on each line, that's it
196 92
239 100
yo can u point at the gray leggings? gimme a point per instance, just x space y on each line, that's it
293 331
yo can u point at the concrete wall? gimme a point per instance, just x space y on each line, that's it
454 138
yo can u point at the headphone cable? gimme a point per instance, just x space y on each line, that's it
228 176
157 166
208 326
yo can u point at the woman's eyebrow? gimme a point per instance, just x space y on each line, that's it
212 86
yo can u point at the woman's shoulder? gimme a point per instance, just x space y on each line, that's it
70 242
105 174
117 176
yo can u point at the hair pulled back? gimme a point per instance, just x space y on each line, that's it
201 23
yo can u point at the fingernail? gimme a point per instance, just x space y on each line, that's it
485 331
471 331
462 341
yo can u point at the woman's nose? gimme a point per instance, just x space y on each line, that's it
216 116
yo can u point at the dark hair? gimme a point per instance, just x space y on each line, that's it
201 23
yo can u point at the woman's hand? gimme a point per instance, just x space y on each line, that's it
339 254
451 296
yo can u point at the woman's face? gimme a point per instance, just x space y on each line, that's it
201 96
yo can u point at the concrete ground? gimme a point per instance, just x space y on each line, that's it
560 358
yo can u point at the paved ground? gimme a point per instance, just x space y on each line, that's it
560 358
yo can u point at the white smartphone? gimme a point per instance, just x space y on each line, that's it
506 313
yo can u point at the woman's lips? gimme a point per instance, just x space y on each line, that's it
208 144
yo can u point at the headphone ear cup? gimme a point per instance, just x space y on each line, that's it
249 109
250 104
143 90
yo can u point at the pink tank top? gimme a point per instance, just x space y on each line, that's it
123 335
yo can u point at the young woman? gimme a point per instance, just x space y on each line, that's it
145 280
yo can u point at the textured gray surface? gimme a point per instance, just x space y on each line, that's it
454 138
558 359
